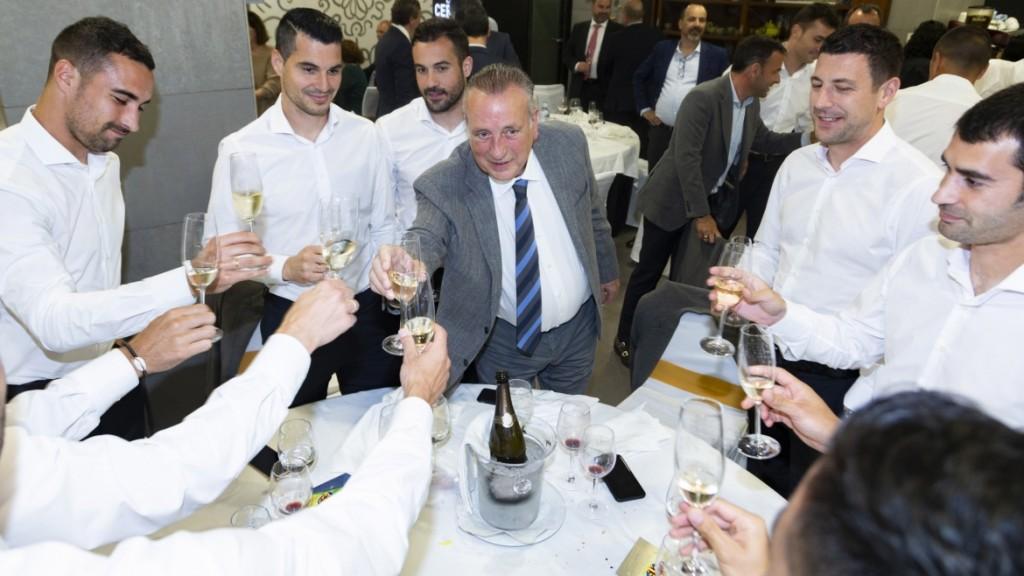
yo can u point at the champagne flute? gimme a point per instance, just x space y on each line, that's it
246 187
729 291
405 273
339 225
700 469
598 459
757 348
418 314
290 488
200 254
573 419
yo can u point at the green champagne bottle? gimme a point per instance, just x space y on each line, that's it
507 443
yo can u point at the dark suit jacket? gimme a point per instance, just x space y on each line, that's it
396 77
499 46
678 187
650 76
622 54
576 51
481 58
457 226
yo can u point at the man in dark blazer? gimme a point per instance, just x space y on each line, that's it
472 17
624 51
499 46
396 78
692 187
583 53
659 94
514 219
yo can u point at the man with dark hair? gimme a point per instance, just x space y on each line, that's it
690 196
672 69
395 77
915 484
62 223
513 218
310 152
583 52
840 210
787 106
869 14
473 19
926 115
427 130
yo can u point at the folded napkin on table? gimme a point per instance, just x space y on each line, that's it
638 431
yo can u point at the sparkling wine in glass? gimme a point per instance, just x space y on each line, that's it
418 314
597 458
405 274
290 488
339 226
246 187
295 444
728 291
700 465
200 254
573 419
757 348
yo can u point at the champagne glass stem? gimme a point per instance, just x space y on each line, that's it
721 322
757 420
572 467
593 494
694 553
250 223
202 295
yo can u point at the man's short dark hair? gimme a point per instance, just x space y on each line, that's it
881 47
922 42
404 11
995 118
436 28
808 15
967 48
312 23
256 23
88 43
754 50
865 9
472 16
914 484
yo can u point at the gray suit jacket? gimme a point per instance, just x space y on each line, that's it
678 187
457 226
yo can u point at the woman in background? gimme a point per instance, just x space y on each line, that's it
353 80
265 81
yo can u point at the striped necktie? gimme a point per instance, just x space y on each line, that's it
527 275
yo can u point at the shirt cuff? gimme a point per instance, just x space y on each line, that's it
645 111
792 331
171 288
275 273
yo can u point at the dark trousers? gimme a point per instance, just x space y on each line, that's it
127 418
756 187
591 91
785 471
657 143
655 251
356 356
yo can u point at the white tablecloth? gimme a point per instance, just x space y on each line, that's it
437 546
613 147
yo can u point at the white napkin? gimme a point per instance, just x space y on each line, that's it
638 431
547 404
365 434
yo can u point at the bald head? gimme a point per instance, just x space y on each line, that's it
632 11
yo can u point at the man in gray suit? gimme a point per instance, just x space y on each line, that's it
523 275
692 186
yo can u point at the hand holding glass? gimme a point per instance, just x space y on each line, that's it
757 348
339 226
728 293
200 254
406 269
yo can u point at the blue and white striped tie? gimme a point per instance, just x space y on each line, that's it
528 307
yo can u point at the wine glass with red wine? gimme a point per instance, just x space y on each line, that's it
573 419
597 459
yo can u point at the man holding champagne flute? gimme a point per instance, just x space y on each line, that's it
62 221
313 182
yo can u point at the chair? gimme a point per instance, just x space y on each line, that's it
550 94
370 99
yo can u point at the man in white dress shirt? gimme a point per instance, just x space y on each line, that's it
926 115
62 220
787 107
841 209
582 54
426 130
943 313
309 151
60 496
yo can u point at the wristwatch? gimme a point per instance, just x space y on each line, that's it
138 362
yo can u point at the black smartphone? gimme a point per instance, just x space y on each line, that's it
622 483
264 461
488 396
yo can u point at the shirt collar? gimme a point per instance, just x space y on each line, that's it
679 50
424 117
599 25
531 173
736 99
49 150
874 150
278 123
404 32
952 82
958 266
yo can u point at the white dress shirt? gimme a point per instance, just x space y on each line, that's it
361 530
921 315
413 142
787 107
601 29
739 116
346 160
61 226
826 233
563 281
1000 74
925 115
680 78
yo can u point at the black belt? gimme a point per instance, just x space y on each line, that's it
765 156
814 368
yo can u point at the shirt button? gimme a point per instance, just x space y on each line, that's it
487 329
465 362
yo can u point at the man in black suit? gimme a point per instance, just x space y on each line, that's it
692 187
624 51
499 46
472 17
583 54
396 78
